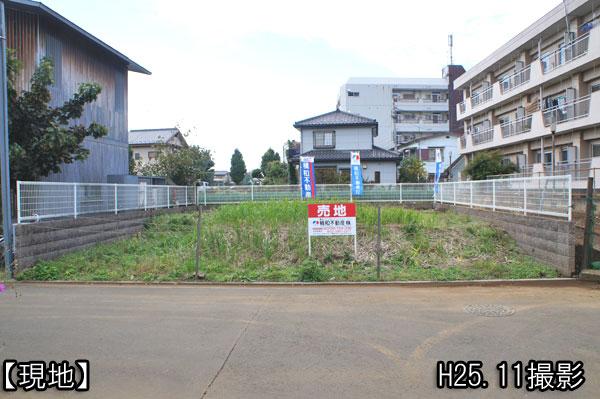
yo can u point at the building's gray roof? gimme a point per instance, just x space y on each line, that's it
38 7
336 118
406 83
221 172
151 136
374 154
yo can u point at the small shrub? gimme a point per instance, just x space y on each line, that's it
313 270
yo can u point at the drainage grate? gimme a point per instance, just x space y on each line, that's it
490 310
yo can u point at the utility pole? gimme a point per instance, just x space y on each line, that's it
4 160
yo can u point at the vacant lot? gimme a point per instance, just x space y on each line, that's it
267 242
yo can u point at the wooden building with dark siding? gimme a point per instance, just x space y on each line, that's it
35 31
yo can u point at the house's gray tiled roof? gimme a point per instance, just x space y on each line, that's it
375 154
336 118
151 136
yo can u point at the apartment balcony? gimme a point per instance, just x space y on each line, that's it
577 55
567 112
566 54
482 97
421 104
514 128
482 137
575 115
421 126
515 80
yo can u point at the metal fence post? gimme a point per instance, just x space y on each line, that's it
145 197
454 192
116 201
75 200
18 202
186 196
252 192
204 188
400 185
168 197
524 197
494 195
471 189
570 200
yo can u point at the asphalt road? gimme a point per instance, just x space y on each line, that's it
295 342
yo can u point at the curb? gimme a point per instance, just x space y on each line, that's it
561 282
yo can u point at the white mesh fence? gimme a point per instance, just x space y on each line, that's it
536 195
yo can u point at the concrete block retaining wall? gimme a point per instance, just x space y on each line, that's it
51 239
551 241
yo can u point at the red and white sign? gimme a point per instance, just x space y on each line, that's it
332 219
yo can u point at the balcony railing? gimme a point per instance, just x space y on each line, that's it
513 128
579 108
484 136
422 120
515 80
431 100
482 97
566 54
462 107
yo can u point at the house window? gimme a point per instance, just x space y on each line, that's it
596 149
547 158
431 154
377 176
324 139
152 155
137 156
353 94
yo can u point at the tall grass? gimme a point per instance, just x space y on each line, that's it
267 241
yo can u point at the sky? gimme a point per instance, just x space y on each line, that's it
239 73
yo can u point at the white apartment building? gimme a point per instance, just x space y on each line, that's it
413 114
536 99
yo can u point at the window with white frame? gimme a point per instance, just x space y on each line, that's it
324 139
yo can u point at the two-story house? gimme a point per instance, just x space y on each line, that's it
330 138
147 144
35 31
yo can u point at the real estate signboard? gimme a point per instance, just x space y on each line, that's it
331 220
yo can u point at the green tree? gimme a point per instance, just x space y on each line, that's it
268 157
256 173
131 162
238 167
292 174
42 138
184 166
276 173
488 163
412 170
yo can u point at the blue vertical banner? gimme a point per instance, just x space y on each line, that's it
307 174
438 170
356 175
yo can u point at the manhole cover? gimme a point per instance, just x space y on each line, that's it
490 310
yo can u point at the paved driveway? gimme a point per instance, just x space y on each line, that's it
296 342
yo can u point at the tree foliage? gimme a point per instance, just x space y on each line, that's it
412 170
238 167
256 173
488 163
268 157
42 137
276 173
131 162
184 166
